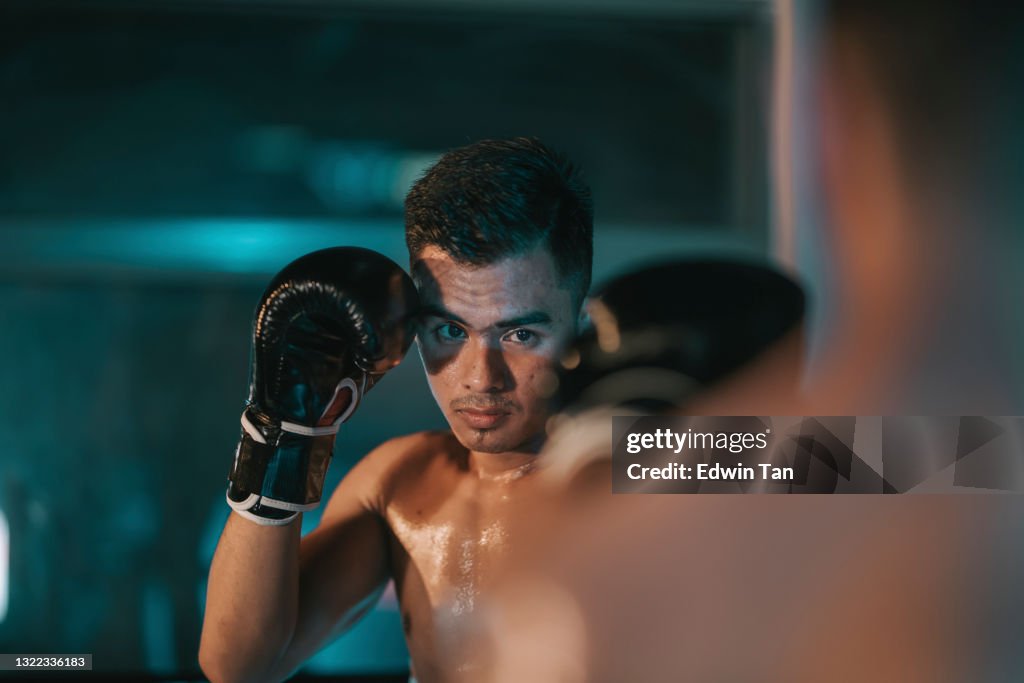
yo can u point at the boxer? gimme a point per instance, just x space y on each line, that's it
500 245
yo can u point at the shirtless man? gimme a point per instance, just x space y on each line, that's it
500 245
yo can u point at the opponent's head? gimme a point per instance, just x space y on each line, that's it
500 237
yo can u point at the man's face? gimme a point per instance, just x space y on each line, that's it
489 338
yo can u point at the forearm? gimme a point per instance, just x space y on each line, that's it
252 600
327 326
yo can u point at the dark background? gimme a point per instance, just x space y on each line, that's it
160 160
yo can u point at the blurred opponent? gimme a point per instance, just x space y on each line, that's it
917 110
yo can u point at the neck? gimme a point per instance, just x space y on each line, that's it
507 465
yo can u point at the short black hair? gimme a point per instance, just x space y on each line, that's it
495 199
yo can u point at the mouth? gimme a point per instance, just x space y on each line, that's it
482 419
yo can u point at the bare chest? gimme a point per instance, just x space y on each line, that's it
443 556
449 552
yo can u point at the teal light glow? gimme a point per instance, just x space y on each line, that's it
234 246
5 563
187 248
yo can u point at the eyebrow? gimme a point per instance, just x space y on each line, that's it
530 318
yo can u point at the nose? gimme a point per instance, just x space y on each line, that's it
486 369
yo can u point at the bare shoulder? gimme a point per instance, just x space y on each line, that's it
397 455
417 459
376 477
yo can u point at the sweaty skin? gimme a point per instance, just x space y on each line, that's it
447 529
435 507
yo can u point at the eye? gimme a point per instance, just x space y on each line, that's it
522 336
450 332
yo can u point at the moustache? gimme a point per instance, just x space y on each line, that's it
472 402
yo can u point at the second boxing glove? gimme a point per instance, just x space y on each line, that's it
663 333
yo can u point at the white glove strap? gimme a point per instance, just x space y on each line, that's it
305 430
243 507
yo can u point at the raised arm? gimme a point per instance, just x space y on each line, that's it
274 600
344 563
327 328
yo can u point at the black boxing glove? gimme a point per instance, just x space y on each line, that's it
327 328
662 333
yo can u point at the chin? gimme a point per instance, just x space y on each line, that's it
489 441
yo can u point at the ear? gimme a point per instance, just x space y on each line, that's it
583 319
